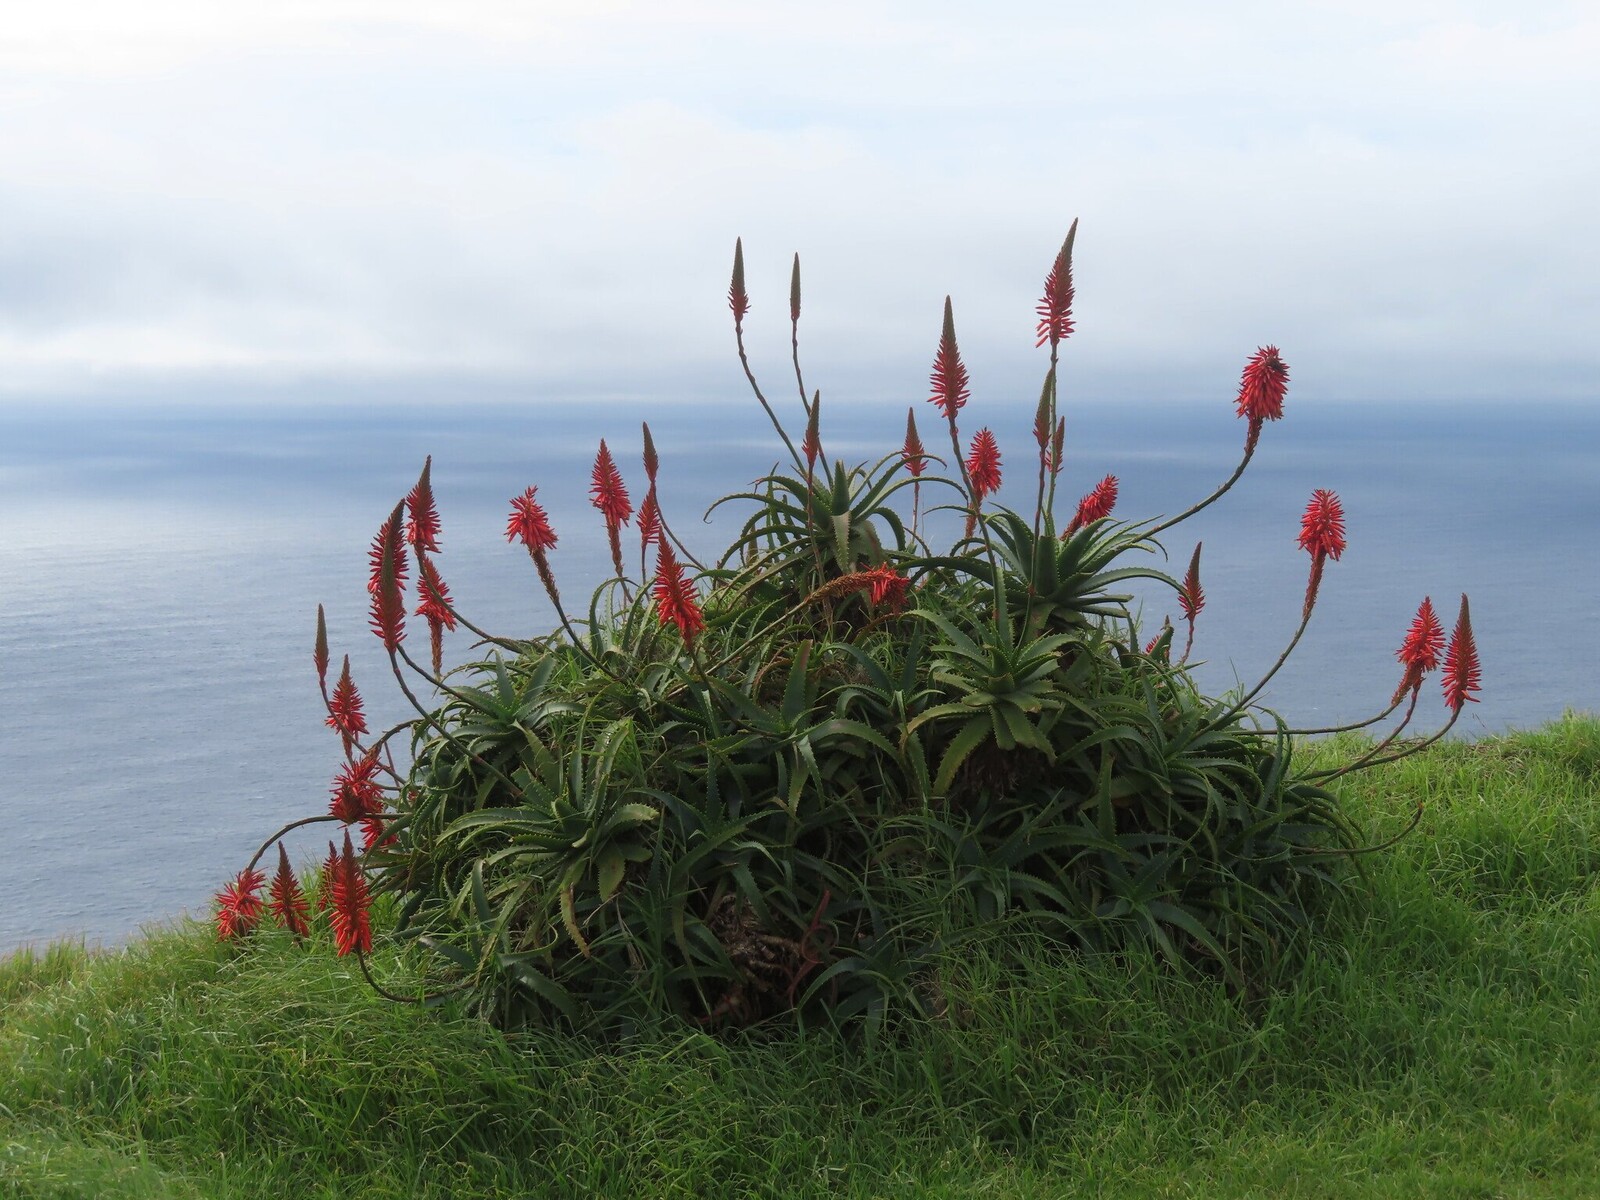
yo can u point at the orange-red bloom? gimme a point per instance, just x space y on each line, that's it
239 905
356 792
676 601
435 607
606 490
949 377
983 464
345 713
1420 650
1262 386
289 903
529 524
1191 596
348 908
330 869
1055 309
1096 505
319 651
388 556
888 587
912 453
1322 526
422 520
1461 670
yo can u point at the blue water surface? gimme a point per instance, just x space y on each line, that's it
161 565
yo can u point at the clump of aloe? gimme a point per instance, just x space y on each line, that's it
789 781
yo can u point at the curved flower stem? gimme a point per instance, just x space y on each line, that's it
1353 851
1244 701
293 825
1374 759
1354 725
744 361
428 998
1249 451
433 721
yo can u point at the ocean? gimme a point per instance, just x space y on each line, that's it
161 566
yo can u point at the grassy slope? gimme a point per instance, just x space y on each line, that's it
1444 1041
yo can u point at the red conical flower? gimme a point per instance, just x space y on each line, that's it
1097 505
1420 650
356 792
651 461
372 833
289 903
1461 671
345 714
1261 392
435 607
949 377
388 542
1055 309
649 519
912 453
239 905
1191 597
348 909
737 300
888 587
422 520
530 524
983 464
1322 537
1322 526
388 555
811 446
676 601
1262 386
606 490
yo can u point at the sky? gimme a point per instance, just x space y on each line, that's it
507 199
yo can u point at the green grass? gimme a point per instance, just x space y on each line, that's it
1442 1039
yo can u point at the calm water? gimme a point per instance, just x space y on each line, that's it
160 571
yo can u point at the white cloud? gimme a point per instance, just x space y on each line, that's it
1398 191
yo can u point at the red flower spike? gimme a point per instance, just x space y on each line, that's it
888 587
388 618
529 524
676 601
949 379
330 872
1261 390
1191 596
422 520
811 447
356 792
912 453
372 833
1055 309
1420 650
345 714
738 301
651 462
435 607
348 910
388 542
289 904
983 464
606 490
1322 526
1097 505
794 292
239 905
649 519
319 650
1461 670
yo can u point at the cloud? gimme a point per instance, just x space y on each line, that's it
358 190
